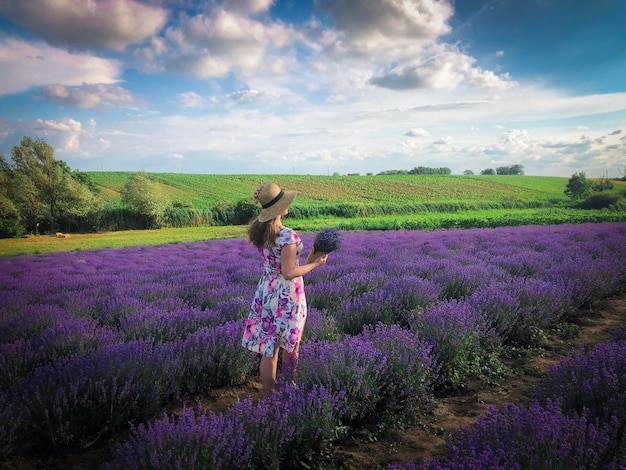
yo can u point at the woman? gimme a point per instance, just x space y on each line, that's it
279 309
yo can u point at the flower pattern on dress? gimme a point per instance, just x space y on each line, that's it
278 311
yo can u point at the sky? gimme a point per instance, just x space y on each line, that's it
317 87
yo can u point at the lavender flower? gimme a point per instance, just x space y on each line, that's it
459 335
11 423
327 241
353 366
590 383
248 435
526 437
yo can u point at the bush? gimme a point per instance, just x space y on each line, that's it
386 371
393 303
11 423
283 428
459 337
599 201
320 326
592 384
409 371
10 224
213 357
77 399
526 437
352 367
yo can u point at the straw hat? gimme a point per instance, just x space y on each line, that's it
273 200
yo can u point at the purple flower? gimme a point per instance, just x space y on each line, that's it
327 241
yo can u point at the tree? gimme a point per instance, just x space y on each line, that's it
141 194
424 170
41 178
468 172
79 208
488 171
10 221
510 170
578 186
41 192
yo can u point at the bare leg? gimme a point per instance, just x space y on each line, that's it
267 370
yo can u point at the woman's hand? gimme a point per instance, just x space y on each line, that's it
320 259
289 268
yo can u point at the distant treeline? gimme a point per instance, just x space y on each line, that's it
419 170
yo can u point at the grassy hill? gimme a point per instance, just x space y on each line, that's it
207 191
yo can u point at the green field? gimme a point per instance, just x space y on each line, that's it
206 191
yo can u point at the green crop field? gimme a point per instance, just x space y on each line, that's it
206 191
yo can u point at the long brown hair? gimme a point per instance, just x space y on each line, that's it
261 233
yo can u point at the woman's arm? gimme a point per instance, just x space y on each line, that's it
288 262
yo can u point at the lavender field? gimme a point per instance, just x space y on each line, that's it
98 343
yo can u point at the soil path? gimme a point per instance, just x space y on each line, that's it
366 449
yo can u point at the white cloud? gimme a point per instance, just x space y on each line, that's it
444 141
218 43
441 68
416 132
191 100
112 24
88 96
28 65
247 7
364 20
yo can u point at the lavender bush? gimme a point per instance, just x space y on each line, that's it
520 308
77 399
320 326
590 383
459 337
352 366
392 304
387 370
213 357
70 337
11 424
409 371
525 437
173 320
264 435
499 307
461 280
23 321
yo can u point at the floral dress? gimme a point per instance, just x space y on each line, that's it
279 309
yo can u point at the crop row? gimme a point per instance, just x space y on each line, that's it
93 340
207 191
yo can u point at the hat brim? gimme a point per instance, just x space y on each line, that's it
278 207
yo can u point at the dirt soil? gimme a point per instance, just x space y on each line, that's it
367 448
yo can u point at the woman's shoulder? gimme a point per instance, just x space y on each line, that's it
287 236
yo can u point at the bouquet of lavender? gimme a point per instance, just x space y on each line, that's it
326 241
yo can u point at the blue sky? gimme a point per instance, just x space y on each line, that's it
317 87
